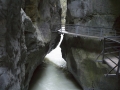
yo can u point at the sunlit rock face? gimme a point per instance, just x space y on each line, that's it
25 39
80 53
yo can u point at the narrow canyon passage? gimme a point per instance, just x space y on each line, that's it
53 75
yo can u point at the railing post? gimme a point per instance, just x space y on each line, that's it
103 49
100 32
118 65
115 33
88 32
61 28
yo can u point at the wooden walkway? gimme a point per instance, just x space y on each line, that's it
111 61
111 54
74 34
109 44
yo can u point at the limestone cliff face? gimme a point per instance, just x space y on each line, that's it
81 53
95 12
25 39
92 13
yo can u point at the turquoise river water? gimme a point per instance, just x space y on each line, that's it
53 75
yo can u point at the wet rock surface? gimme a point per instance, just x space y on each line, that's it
80 53
25 40
92 13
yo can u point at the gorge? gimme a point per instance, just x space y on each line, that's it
26 37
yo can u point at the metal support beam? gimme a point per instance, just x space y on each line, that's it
118 65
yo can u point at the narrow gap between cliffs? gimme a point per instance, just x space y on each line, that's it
52 73
55 56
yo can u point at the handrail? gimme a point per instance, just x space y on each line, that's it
92 31
113 40
110 60
109 53
86 26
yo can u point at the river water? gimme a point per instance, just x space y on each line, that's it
53 75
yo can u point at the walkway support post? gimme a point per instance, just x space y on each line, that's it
118 65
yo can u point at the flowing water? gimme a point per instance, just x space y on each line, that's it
53 75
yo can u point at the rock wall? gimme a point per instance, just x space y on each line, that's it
92 13
97 13
80 52
25 38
